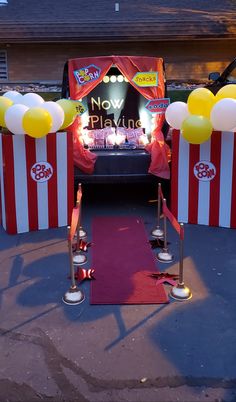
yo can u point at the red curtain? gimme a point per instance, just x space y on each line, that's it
129 66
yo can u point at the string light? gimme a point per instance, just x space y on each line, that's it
120 78
106 79
113 78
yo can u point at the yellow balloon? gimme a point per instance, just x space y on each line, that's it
37 122
228 91
196 129
201 101
5 103
70 112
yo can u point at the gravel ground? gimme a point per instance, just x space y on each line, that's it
26 87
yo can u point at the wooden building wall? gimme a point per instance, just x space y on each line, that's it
186 60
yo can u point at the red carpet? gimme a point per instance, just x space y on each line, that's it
123 260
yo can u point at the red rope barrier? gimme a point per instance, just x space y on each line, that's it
75 214
74 222
79 194
160 192
173 221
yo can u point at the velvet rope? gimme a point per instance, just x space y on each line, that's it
160 193
179 229
79 194
74 222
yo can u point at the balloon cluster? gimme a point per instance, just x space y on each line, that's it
203 113
30 114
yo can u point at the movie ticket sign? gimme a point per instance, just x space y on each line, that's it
157 105
146 79
36 181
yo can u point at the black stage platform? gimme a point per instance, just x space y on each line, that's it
118 166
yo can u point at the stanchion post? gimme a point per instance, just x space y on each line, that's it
157 232
78 237
181 256
81 233
165 232
77 257
164 255
74 295
72 268
180 291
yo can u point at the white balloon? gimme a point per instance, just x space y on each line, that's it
223 114
176 113
18 99
57 114
13 118
13 95
32 99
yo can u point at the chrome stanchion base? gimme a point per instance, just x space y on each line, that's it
165 256
157 232
79 259
180 292
73 296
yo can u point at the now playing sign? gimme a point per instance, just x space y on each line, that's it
157 105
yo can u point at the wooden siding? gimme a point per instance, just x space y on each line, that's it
184 60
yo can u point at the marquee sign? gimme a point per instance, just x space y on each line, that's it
87 74
146 79
157 105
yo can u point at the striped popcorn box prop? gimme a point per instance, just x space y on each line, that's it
37 181
203 180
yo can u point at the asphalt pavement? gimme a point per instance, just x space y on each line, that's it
181 351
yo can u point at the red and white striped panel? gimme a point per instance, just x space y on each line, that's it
36 181
203 180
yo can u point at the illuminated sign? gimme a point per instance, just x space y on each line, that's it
87 74
115 105
146 79
157 105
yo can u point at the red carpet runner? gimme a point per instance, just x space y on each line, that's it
123 260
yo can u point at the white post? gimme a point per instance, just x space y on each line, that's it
180 291
158 232
164 255
73 296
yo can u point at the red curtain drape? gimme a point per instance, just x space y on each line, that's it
129 66
83 158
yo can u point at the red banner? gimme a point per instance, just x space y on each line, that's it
79 194
74 222
179 229
160 193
